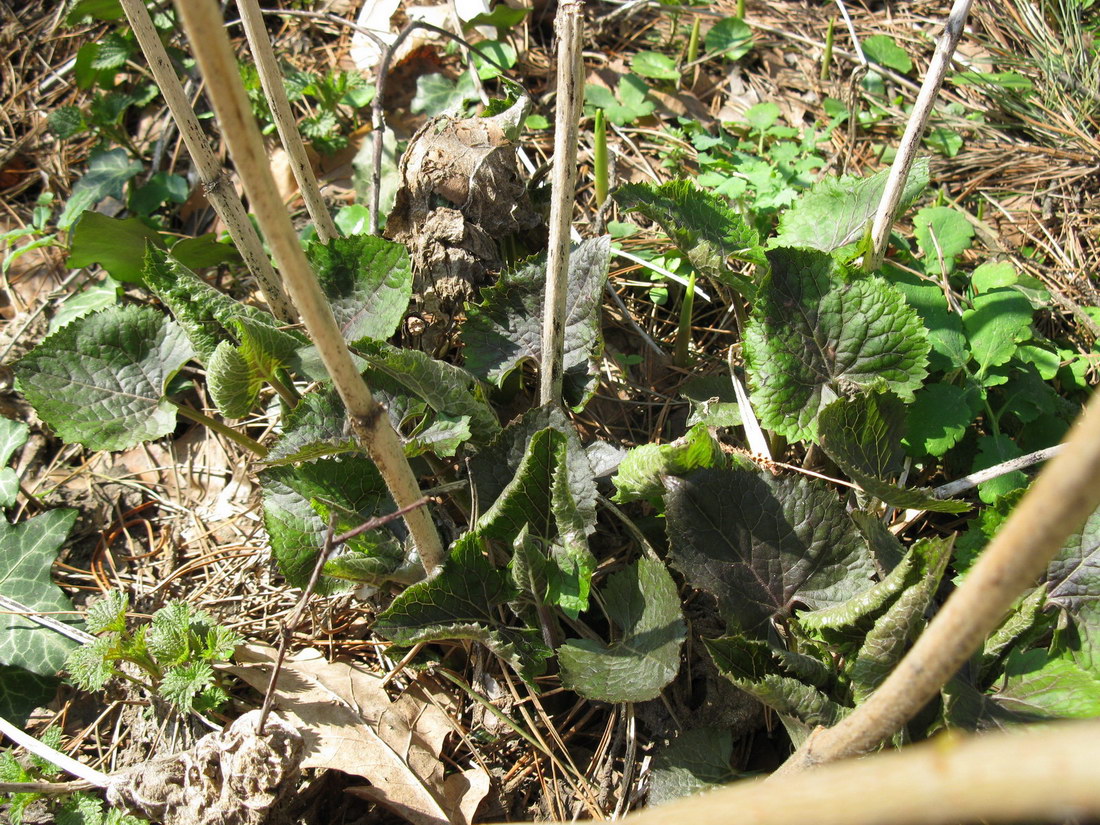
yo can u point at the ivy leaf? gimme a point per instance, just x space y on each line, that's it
701 225
436 94
836 211
115 244
31 655
233 385
814 337
100 380
447 389
696 761
107 174
863 436
368 281
460 603
13 435
642 600
888 640
1073 583
760 544
998 322
641 470
505 329
299 500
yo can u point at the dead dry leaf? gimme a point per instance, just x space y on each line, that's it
350 724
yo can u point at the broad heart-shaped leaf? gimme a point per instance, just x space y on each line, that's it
751 666
836 212
999 321
642 600
22 692
937 419
863 436
1040 686
117 245
297 499
701 225
761 544
461 602
27 552
641 470
232 384
314 429
943 234
697 760
888 640
100 380
368 281
1073 583
505 329
205 314
814 337
447 389
13 435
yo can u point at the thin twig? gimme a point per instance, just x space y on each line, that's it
215 180
569 26
66 763
953 488
914 130
1059 501
210 44
272 81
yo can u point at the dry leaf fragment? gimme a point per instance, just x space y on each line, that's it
350 724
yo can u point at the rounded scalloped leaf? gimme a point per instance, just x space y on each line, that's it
100 380
814 337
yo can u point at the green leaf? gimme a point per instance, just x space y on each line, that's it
630 104
1001 80
233 385
945 330
701 225
836 211
943 234
314 429
461 603
883 50
436 94
863 436
368 281
994 450
297 501
642 469
204 313
162 187
937 420
505 329
92 298
944 141
503 17
696 761
1073 583
66 121
814 337
654 64
749 665
204 251
642 600
105 10
117 245
182 684
762 116
13 435
100 380
447 389
27 553
1039 686
107 174
730 37
500 51
761 544
114 50
888 640
998 323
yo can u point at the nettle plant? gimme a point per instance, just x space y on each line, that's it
885 373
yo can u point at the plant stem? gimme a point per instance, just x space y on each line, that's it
827 55
1031 774
1063 496
569 25
599 157
693 42
215 180
914 129
680 355
271 78
210 44
222 428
